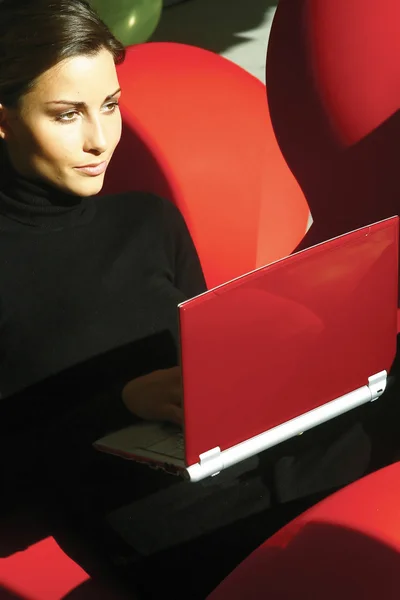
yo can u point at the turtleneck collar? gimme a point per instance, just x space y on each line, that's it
38 204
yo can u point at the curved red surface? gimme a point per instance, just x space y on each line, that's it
197 131
346 547
333 80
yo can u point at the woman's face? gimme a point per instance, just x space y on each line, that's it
69 120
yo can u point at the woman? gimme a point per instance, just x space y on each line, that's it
58 114
89 289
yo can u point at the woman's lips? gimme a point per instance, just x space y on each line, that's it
93 171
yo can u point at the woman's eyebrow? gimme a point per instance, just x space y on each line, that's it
81 104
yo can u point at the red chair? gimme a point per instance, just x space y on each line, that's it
40 572
197 131
34 561
334 95
347 546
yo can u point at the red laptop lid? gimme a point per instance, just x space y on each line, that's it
289 337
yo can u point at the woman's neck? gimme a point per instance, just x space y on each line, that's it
36 202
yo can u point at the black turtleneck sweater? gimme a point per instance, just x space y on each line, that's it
88 300
89 289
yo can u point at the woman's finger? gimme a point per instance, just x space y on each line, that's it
174 414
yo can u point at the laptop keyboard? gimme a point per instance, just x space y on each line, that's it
173 445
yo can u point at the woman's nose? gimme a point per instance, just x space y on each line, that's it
95 138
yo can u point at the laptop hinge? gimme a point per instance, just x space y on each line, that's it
377 384
212 461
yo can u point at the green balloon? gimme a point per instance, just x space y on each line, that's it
131 21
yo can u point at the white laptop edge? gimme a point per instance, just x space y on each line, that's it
215 460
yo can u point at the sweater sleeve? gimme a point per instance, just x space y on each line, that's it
72 401
89 394
187 277
187 271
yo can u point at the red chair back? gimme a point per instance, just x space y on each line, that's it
197 131
333 81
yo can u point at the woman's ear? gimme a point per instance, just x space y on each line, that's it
2 122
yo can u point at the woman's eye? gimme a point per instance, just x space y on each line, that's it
111 107
71 116
67 117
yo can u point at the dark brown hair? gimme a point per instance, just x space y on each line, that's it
37 34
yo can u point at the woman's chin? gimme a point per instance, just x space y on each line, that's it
89 186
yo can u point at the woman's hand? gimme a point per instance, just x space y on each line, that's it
156 396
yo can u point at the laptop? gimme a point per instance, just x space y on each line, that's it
277 351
